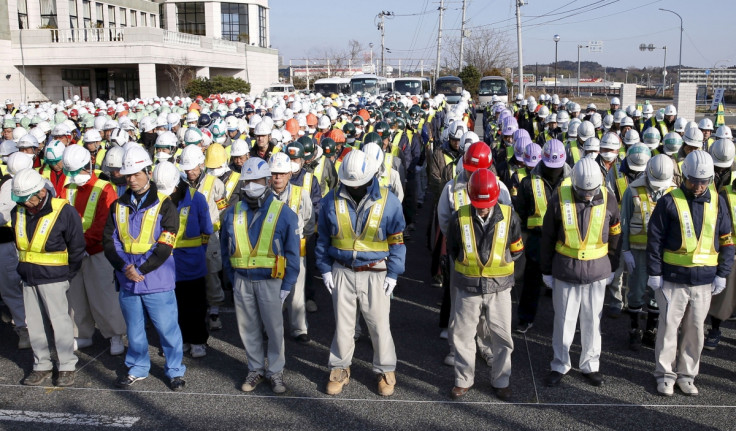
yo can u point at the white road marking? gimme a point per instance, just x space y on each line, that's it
68 418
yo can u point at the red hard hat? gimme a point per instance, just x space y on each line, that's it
483 189
74 113
111 111
478 156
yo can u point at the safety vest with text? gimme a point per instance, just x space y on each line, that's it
262 255
592 246
94 196
33 251
694 251
497 265
145 240
368 240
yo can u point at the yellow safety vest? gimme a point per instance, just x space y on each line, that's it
646 207
346 239
621 181
574 152
540 201
295 202
592 247
318 173
100 157
459 197
182 242
145 240
262 255
307 183
94 196
3 170
35 251
509 152
232 181
694 251
397 139
521 173
388 164
731 197
471 265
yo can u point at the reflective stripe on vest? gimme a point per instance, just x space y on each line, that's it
182 242
318 173
232 182
35 251
694 251
509 153
471 265
91 208
459 197
100 157
592 247
346 239
540 201
262 255
145 240
388 164
397 139
295 198
731 197
307 183
646 207
621 181
575 153
209 181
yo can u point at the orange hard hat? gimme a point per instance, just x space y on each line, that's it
365 115
337 135
292 126
311 120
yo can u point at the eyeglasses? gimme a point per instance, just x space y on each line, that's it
698 182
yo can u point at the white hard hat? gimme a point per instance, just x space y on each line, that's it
254 120
119 137
586 175
724 132
279 163
680 125
693 137
113 159
263 128
457 130
8 147
100 123
324 122
723 152
592 144
705 124
637 157
19 161
61 129
166 140
92 135
26 183
110 124
232 123
54 151
627 121
670 110
591 107
607 121
648 109
45 126
239 148
615 101
192 136
551 118
467 140
671 143
618 116
173 119
595 118
18 133
191 157
37 133
586 130
255 168
660 170
166 176
75 158
543 112
611 141
147 124
651 138
135 159
631 137
192 117
698 165
374 154
355 171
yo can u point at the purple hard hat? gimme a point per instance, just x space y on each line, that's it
553 154
509 126
519 133
532 154
519 147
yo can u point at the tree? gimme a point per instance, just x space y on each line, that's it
484 49
217 85
180 73
471 79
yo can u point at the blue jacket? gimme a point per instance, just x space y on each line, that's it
410 152
285 242
189 259
391 223
663 232
315 193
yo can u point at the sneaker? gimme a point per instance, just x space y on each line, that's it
687 388
649 338
386 384
522 328
82 343
487 357
251 381
277 384
311 306
437 281
635 340
666 389
450 359
198 350
177 384
712 339
24 341
65 379
214 322
339 378
444 334
37 378
127 381
116 345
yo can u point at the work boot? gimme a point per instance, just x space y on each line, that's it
339 377
649 338
37 378
635 339
65 379
386 383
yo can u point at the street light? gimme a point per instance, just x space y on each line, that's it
679 66
556 38
579 46
371 45
651 47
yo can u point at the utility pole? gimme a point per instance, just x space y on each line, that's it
462 38
519 3
439 40
383 47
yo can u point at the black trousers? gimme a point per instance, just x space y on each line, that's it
309 288
530 292
191 299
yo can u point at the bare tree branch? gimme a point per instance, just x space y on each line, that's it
180 73
485 49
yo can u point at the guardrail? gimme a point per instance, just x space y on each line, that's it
176 38
224 45
83 35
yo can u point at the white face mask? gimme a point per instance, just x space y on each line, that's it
301 133
254 190
162 156
592 155
279 124
159 132
81 179
609 157
358 130
220 171
311 130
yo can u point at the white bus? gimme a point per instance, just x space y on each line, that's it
368 84
492 86
278 90
413 86
327 86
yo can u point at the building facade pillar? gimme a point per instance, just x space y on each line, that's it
147 80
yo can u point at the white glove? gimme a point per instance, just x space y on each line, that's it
549 281
327 280
284 294
389 285
609 280
718 285
629 260
655 282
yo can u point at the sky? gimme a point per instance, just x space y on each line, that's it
301 29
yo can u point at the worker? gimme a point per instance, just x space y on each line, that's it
48 259
484 239
139 237
386 174
360 254
111 169
579 252
638 202
671 145
263 146
688 262
53 168
261 242
93 144
92 295
195 228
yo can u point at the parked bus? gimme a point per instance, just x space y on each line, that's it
451 87
278 90
327 86
492 86
413 86
368 84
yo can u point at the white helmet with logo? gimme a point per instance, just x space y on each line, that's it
255 168
166 176
355 169
698 165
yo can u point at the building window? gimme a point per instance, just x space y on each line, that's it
133 18
153 21
123 17
87 11
262 26
190 17
73 23
23 14
99 10
144 19
75 76
235 22
111 16
48 14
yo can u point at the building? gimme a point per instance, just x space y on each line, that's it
712 78
55 49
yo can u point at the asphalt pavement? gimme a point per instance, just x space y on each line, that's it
212 398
